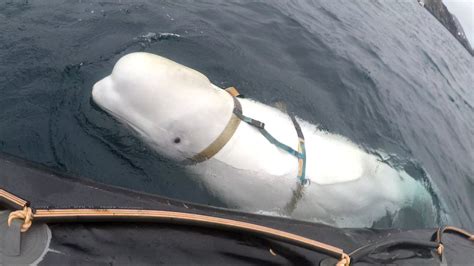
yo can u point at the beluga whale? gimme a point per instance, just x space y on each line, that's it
255 157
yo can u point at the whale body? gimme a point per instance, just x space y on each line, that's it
178 112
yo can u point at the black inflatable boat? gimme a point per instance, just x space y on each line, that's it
48 218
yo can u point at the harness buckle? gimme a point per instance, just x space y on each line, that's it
306 182
258 124
253 122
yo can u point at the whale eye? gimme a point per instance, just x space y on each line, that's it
177 140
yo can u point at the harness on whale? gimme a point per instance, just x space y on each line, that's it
233 124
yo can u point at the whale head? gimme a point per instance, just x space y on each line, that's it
175 109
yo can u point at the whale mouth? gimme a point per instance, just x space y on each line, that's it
116 116
100 91
125 121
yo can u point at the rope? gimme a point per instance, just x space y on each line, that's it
440 249
115 214
438 236
13 200
95 215
183 218
26 215
344 261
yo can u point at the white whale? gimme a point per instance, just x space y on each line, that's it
178 112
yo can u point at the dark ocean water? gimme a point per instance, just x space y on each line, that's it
385 74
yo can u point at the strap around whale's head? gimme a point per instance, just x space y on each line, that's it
233 91
225 135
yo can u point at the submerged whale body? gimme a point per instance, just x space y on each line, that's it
178 112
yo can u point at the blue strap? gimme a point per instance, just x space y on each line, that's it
301 156
280 145
261 127
302 175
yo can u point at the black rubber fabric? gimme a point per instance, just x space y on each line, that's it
147 243
21 249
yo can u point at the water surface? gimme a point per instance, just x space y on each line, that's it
384 74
